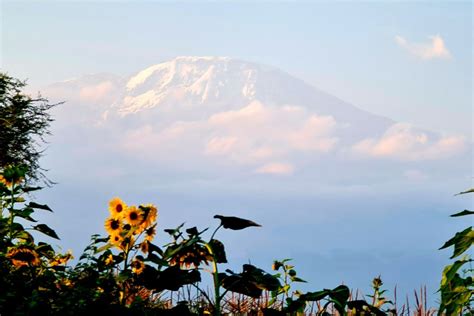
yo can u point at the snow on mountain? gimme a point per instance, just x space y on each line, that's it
230 83
242 111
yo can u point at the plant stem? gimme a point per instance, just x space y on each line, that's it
215 231
12 208
215 278
204 293
125 266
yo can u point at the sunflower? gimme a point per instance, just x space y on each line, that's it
117 207
9 182
150 213
66 282
192 256
23 256
144 246
150 233
127 243
61 259
137 266
109 260
134 216
116 240
113 226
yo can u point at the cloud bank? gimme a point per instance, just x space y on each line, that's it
403 142
276 140
256 135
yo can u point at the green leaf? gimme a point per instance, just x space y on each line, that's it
31 189
40 206
361 307
46 230
155 259
340 295
450 271
25 213
463 213
45 249
240 284
235 223
176 231
26 236
154 248
461 241
467 191
297 279
193 231
315 296
124 275
295 306
103 248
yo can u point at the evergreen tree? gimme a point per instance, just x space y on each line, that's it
24 121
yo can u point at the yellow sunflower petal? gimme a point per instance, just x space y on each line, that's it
113 226
117 207
134 216
137 266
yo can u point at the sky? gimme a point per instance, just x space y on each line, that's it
410 62
347 49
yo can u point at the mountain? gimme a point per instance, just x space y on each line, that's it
199 86
226 109
225 83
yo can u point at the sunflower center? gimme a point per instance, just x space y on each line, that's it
24 256
115 225
119 208
133 216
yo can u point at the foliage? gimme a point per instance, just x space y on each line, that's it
31 271
125 272
23 123
457 282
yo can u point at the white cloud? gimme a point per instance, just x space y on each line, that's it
276 168
254 135
435 48
403 142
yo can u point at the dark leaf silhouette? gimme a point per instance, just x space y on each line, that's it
46 230
466 192
235 223
171 278
40 206
463 213
250 282
218 250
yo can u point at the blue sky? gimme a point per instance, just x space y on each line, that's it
381 57
347 49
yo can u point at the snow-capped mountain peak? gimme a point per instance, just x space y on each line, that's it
191 79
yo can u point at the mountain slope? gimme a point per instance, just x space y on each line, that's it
226 109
